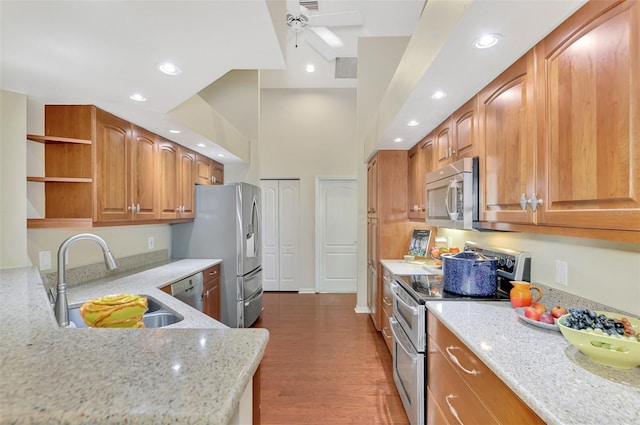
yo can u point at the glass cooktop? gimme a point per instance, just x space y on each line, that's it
430 287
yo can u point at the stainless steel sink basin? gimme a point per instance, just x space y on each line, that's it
158 315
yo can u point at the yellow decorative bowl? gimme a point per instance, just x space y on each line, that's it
618 352
115 311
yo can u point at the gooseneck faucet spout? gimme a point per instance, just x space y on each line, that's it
61 306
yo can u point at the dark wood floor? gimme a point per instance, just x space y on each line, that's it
324 364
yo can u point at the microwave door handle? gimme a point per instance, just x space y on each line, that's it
453 187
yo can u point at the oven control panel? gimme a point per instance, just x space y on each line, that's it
513 265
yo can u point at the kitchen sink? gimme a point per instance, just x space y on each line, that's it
157 315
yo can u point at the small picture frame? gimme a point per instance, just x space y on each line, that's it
420 242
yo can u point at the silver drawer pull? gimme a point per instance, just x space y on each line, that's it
386 301
384 333
452 409
455 360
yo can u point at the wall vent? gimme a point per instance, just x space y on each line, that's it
309 4
346 67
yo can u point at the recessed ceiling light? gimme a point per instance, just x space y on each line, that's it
487 40
310 68
137 97
221 155
412 123
175 131
398 139
202 145
169 68
438 95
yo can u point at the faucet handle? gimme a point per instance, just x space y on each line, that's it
51 293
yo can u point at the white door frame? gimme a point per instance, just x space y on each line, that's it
318 220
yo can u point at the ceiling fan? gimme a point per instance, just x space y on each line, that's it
300 18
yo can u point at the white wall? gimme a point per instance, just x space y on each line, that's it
602 271
307 134
13 184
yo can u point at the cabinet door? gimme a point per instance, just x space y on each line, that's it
443 137
426 156
187 183
204 169
217 173
372 187
414 183
506 129
144 156
589 147
168 175
211 299
112 171
373 293
463 122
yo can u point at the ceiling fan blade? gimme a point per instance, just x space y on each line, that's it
338 19
327 36
320 46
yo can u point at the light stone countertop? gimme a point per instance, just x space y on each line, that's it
549 374
192 372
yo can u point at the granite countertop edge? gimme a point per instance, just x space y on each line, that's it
192 372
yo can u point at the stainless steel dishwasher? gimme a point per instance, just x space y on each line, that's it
189 290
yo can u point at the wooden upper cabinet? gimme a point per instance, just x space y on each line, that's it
420 162
112 172
217 173
168 176
372 187
506 132
144 156
187 183
443 140
464 126
589 137
204 169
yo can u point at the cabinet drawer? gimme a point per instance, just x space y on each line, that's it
212 273
503 403
387 296
386 330
435 415
456 400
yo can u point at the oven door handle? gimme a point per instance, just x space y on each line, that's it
398 340
394 287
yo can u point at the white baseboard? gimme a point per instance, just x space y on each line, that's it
362 309
306 291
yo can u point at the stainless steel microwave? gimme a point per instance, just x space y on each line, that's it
451 195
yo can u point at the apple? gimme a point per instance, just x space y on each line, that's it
546 318
454 250
558 311
532 313
540 307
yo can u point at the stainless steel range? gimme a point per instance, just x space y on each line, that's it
409 321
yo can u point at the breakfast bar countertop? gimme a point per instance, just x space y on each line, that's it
192 372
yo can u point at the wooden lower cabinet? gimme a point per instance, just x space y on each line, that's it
463 388
211 292
387 307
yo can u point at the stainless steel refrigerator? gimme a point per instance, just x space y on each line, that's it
227 226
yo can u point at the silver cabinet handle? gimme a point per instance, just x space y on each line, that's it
455 360
523 202
129 208
385 334
452 409
138 208
385 300
534 202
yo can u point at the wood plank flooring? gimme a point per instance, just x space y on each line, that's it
324 364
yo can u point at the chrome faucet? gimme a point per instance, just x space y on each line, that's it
61 308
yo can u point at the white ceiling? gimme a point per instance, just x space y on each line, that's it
100 52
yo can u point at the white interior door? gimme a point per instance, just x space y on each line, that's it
281 234
270 242
289 234
336 235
